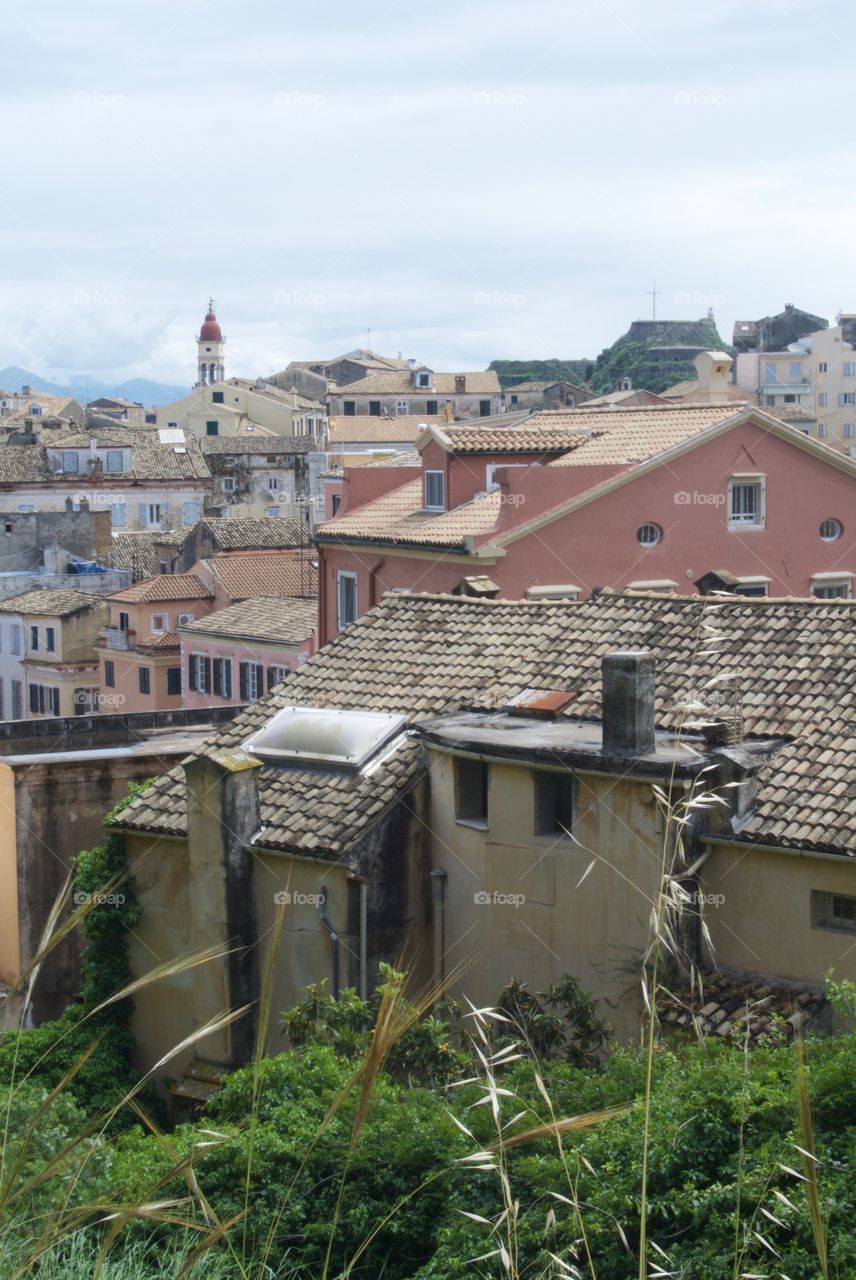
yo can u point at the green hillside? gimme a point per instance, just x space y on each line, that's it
513 371
633 355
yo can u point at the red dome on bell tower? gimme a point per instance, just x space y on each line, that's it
210 331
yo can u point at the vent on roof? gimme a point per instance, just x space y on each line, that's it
312 735
171 435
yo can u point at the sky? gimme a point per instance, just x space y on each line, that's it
466 181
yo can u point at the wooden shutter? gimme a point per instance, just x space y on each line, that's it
242 670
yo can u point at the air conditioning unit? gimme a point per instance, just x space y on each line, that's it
184 618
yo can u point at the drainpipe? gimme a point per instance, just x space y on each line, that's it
334 939
439 878
362 883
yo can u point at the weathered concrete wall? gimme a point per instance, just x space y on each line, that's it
25 534
99 584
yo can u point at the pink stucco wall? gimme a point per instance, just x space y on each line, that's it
281 655
596 545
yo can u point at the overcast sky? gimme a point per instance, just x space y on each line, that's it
468 180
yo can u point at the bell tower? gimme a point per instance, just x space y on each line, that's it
210 344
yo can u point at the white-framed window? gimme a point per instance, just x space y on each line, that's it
17 700
229 484
822 367
822 431
823 399
151 513
346 591
221 669
847 397
160 623
849 368
119 515
401 407
114 459
26 506
747 502
435 491
648 535
272 512
795 369
831 529
425 380
833 911
273 483
276 673
15 638
251 681
849 431
832 586
199 673
70 460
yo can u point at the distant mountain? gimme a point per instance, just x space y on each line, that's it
510 372
84 387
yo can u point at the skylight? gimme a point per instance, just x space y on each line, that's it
313 735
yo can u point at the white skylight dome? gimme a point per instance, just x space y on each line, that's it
318 735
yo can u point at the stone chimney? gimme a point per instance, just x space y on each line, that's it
460 384
222 818
627 714
713 369
448 414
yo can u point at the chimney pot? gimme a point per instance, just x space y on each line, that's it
628 703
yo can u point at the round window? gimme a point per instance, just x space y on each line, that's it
831 529
648 535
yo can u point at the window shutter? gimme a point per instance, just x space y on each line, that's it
34 699
142 514
207 662
218 676
227 677
55 701
271 678
242 669
191 674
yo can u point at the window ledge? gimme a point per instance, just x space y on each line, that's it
475 823
735 526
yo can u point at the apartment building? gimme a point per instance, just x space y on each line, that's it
48 662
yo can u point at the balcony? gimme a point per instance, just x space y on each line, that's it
118 638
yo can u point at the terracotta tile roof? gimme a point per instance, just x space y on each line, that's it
263 444
151 459
164 586
287 620
405 428
536 435
687 392
791 665
624 436
142 550
57 603
408 458
740 1008
633 397
255 533
400 382
398 517
245 574
167 640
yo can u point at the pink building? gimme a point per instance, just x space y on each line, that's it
139 652
245 575
235 655
651 497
